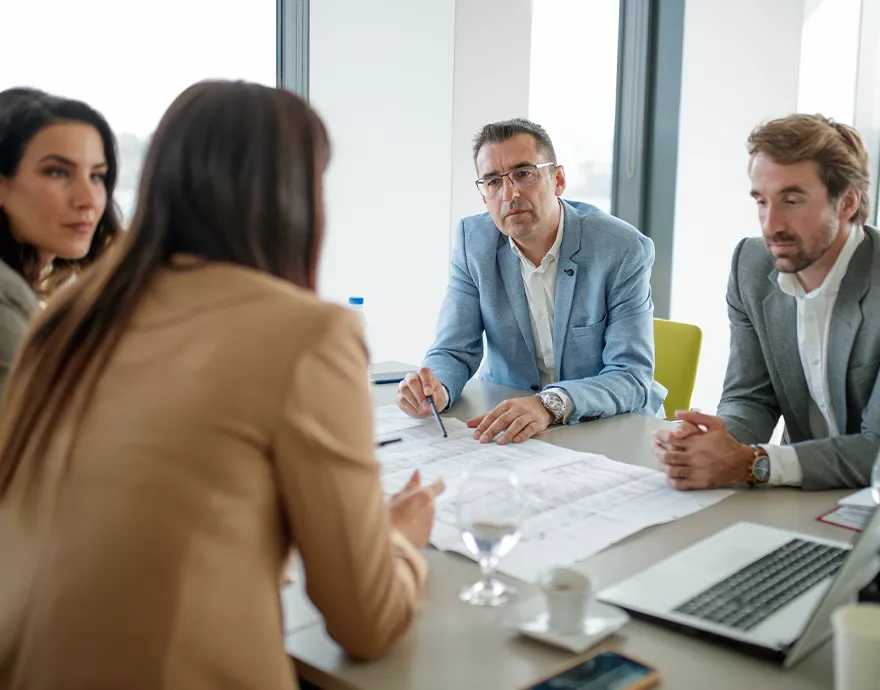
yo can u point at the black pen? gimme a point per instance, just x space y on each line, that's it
436 415
388 442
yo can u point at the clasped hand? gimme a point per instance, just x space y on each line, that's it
701 453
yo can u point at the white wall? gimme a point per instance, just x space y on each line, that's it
491 83
740 67
403 87
381 76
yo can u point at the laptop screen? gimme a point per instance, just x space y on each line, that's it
859 568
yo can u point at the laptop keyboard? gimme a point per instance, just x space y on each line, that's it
752 594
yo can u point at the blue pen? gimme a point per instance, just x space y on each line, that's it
436 415
393 379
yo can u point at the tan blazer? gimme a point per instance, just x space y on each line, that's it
233 423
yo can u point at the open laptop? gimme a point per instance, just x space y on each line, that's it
769 590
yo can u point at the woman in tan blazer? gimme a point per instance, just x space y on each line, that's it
186 413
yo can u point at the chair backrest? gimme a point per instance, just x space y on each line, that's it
676 356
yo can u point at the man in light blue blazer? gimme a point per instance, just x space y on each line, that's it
559 289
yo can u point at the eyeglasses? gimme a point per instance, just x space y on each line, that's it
521 178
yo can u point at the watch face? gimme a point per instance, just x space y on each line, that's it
762 469
553 402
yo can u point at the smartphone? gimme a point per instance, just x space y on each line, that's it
605 671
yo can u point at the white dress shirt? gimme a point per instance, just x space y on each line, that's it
814 311
540 286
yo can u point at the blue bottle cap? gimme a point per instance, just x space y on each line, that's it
355 300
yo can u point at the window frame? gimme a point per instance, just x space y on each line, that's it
646 129
292 46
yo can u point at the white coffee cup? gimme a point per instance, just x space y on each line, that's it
856 647
568 594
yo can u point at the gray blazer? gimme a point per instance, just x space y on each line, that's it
765 377
18 303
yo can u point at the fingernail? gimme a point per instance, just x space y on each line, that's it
502 441
477 434
485 438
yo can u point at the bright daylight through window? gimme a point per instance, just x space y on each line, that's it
130 60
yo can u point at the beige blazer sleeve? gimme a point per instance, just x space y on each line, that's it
365 579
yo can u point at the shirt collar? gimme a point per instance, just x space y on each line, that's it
553 254
790 285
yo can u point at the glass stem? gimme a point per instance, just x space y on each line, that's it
488 564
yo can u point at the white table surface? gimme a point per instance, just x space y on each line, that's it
454 646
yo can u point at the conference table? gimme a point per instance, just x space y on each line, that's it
454 646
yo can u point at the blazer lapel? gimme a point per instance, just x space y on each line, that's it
780 320
508 264
845 322
566 280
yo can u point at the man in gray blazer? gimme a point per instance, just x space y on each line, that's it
804 306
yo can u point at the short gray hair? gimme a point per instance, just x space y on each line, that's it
497 132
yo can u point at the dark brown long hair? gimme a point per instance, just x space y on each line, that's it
231 175
23 113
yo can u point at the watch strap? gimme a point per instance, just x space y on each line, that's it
758 452
554 404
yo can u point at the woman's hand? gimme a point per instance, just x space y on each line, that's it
412 509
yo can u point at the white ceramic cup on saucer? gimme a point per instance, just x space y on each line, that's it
567 593
856 647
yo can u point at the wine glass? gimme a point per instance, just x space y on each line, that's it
490 511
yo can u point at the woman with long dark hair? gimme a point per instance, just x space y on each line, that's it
58 169
184 414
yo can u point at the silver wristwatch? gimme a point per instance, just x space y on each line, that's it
554 404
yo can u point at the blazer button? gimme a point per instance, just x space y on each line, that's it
535 388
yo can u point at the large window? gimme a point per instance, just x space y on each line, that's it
573 89
804 55
130 60
829 58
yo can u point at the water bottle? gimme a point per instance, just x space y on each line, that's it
357 304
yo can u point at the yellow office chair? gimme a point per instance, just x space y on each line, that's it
676 356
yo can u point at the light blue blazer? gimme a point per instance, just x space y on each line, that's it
603 337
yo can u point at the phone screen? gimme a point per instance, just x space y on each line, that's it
606 671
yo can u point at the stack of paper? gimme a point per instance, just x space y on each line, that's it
858 507
577 505
853 511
